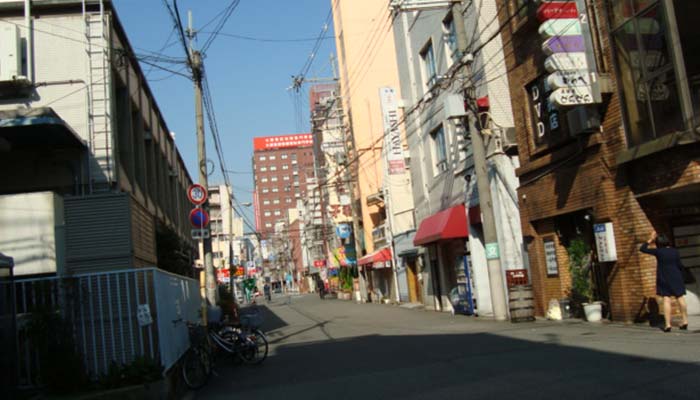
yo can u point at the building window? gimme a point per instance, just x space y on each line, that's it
288 200
429 68
263 179
276 201
285 167
294 156
265 190
450 37
286 177
273 179
268 225
266 202
278 213
273 168
273 158
275 190
267 213
647 74
263 169
284 156
262 158
439 149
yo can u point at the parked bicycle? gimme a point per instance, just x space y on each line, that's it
246 342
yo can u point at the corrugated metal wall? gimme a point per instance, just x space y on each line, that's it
98 233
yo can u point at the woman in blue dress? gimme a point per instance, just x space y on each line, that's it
669 277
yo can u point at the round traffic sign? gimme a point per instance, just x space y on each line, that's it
197 194
199 218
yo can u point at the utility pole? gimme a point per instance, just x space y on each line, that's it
498 295
196 57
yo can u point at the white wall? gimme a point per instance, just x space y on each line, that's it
32 232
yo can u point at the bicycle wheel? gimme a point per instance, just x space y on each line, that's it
257 349
196 368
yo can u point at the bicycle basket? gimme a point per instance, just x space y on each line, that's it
198 334
252 320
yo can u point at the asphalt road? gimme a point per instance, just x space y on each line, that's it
341 350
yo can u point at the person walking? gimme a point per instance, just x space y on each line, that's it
669 276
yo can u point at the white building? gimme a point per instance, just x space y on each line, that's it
78 121
442 168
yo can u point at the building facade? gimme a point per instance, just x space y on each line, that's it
452 258
281 167
627 164
78 120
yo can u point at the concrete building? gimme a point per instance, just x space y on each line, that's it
367 61
281 167
82 136
226 230
452 256
611 172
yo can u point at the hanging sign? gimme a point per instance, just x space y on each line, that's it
564 44
550 257
393 147
566 62
567 79
560 27
556 10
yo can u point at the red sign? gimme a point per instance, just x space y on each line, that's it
199 218
197 194
319 263
557 10
223 275
283 142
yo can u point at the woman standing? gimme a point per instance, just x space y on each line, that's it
669 277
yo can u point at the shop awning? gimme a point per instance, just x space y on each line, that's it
380 256
444 225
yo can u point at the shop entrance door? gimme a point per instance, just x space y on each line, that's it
687 240
414 292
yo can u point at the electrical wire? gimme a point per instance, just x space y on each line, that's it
222 22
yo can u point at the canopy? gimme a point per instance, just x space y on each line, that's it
381 255
444 225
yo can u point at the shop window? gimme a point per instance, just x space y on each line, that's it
647 74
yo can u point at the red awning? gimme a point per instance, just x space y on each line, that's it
445 225
381 255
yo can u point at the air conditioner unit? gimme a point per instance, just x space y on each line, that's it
583 119
10 52
508 137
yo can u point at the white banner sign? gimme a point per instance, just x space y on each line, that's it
393 146
567 79
566 62
605 242
575 96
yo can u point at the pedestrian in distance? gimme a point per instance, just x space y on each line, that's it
669 277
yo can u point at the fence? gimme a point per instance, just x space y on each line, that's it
115 316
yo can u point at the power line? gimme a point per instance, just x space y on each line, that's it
220 25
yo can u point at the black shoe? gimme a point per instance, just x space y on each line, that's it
667 329
683 327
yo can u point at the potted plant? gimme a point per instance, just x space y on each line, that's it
581 284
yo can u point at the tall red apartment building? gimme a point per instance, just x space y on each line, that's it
281 167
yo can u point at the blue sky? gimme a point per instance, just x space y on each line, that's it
248 79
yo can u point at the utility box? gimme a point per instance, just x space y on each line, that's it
10 52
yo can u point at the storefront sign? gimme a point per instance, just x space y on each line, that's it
283 142
393 147
545 114
574 96
492 252
343 231
605 242
550 257
567 38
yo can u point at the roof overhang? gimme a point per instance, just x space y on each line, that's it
447 224
36 127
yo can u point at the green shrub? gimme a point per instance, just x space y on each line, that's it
579 263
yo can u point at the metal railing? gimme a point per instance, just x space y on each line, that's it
115 316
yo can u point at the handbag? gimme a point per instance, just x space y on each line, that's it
688 276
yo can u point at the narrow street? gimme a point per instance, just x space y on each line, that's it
335 349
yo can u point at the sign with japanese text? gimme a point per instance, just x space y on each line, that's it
282 142
605 242
393 146
550 257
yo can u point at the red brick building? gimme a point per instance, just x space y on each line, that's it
638 168
281 166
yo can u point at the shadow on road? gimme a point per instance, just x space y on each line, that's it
458 366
